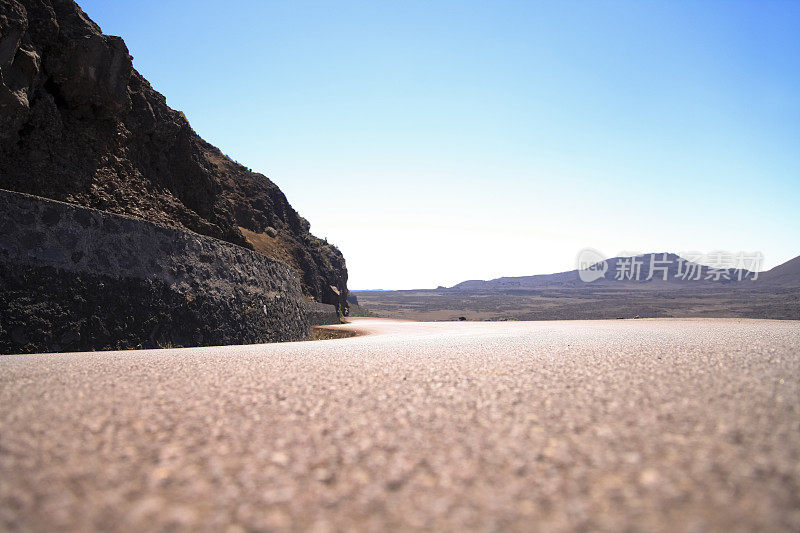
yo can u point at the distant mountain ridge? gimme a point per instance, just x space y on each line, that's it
785 274
647 271
704 292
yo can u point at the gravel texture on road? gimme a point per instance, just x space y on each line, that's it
640 425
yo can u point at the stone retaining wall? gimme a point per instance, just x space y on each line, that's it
73 278
320 314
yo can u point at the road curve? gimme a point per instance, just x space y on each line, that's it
594 425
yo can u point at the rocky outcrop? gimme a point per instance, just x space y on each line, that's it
79 279
79 124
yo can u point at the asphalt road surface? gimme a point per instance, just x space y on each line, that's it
648 425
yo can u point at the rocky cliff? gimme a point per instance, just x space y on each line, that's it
79 124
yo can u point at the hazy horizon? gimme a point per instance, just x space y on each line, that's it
436 143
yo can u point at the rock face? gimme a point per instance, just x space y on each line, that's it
78 279
79 124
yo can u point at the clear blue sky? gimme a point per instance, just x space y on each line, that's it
435 142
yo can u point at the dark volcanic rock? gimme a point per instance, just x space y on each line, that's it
48 310
79 124
77 279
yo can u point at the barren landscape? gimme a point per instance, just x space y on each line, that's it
589 303
773 294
